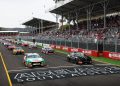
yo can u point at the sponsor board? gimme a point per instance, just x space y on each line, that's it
58 47
69 49
46 45
65 48
74 50
88 52
114 55
80 49
106 54
52 46
39 44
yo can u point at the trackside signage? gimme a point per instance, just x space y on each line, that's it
58 47
88 52
69 49
114 55
40 44
106 54
46 45
74 49
53 46
65 48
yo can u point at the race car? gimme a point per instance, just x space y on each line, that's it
6 44
18 50
33 59
19 42
79 58
11 47
47 50
32 45
2 41
25 44
15 42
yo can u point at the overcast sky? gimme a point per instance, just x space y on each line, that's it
15 12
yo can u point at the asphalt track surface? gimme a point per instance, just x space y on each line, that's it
54 61
3 77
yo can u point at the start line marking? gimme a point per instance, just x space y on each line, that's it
42 68
62 72
27 69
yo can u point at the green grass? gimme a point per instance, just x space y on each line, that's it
107 60
39 46
61 51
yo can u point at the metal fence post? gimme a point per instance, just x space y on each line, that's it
60 42
55 42
78 42
71 43
97 45
52 41
116 44
87 45
103 44
65 43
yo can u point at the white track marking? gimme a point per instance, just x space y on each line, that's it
47 67
103 64
42 68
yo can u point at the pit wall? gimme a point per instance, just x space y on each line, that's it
94 53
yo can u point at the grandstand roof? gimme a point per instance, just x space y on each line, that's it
8 31
23 32
35 22
82 4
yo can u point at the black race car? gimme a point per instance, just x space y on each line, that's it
79 58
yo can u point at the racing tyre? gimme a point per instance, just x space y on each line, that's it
14 53
25 64
42 64
23 53
46 52
68 59
77 61
30 65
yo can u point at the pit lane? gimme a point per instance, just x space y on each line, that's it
54 62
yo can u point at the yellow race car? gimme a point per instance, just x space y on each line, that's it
18 50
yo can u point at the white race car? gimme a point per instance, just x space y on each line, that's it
47 50
33 45
32 59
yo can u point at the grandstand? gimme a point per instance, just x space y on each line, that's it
36 26
56 1
0 28
94 21
96 25
24 34
4 29
8 33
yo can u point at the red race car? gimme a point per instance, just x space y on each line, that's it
25 44
11 47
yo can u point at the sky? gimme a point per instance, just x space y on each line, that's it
15 12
